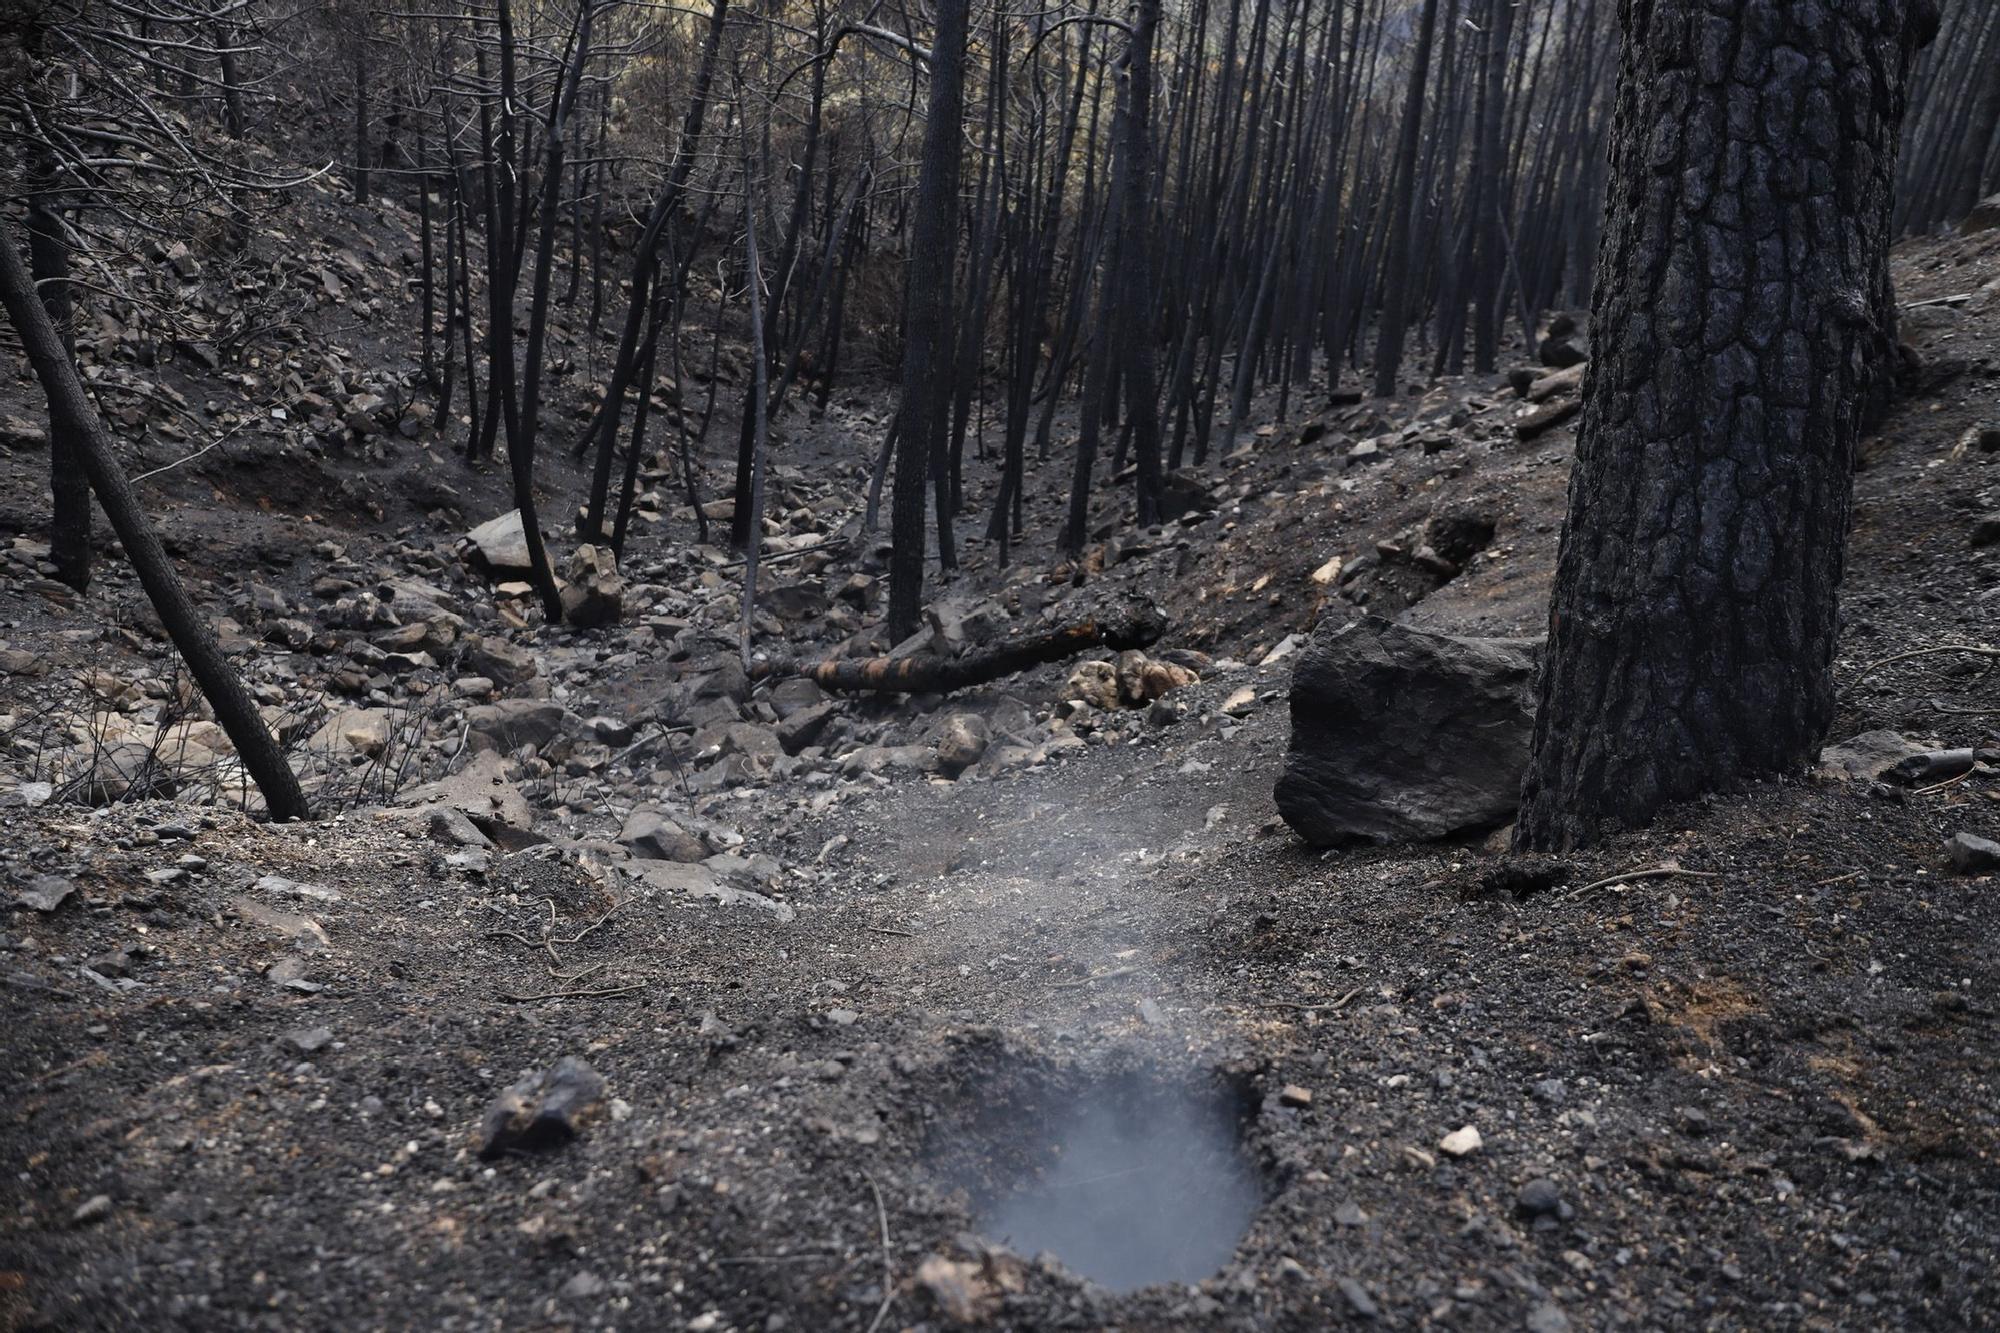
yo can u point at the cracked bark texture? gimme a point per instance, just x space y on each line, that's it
1739 316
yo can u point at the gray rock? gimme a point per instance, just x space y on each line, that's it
308 1041
658 837
960 739
45 893
542 1111
499 661
1986 530
890 758
501 544
1539 1198
1868 756
593 594
94 1209
452 827
1358 1299
612 731
699 881
1971 854
1402 733
512 723
1547 1318
805 726
795 694
125 769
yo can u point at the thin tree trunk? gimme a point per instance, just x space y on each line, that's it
70 404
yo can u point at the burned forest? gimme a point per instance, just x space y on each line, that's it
871 665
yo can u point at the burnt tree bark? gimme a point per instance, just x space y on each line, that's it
69 488
72 411
1692 629
927 306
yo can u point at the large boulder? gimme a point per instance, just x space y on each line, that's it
1403 733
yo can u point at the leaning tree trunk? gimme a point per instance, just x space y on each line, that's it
1692 630
71 410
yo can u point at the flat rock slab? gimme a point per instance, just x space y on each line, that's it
1402 734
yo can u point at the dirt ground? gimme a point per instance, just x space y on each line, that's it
1754 1088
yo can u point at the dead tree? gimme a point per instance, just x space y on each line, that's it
1692 629
71 406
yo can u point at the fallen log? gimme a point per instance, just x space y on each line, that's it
1136 626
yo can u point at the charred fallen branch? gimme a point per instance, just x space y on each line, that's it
1137 625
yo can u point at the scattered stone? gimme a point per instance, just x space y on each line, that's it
613 731
804 726
585 1286
308 1041
964 1292
658 837
482 792
511 723
960 740
45 893
593 594
1971 854
1141 679
1547 1318
1094 683
499 661
451 827
280 887
1358 1299
1294 1095
94 1209
1462 1142
542 1111
1349 1214
1241 702
1404 733
1540 1197
501 544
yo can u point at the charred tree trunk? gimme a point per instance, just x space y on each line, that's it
1691 634
927 325
1396 284
69 486
71 405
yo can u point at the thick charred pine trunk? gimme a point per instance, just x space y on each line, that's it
70 406
927 305
1692 630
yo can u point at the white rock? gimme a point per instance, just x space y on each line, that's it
1462 1142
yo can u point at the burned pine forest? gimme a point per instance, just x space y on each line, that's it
783 665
